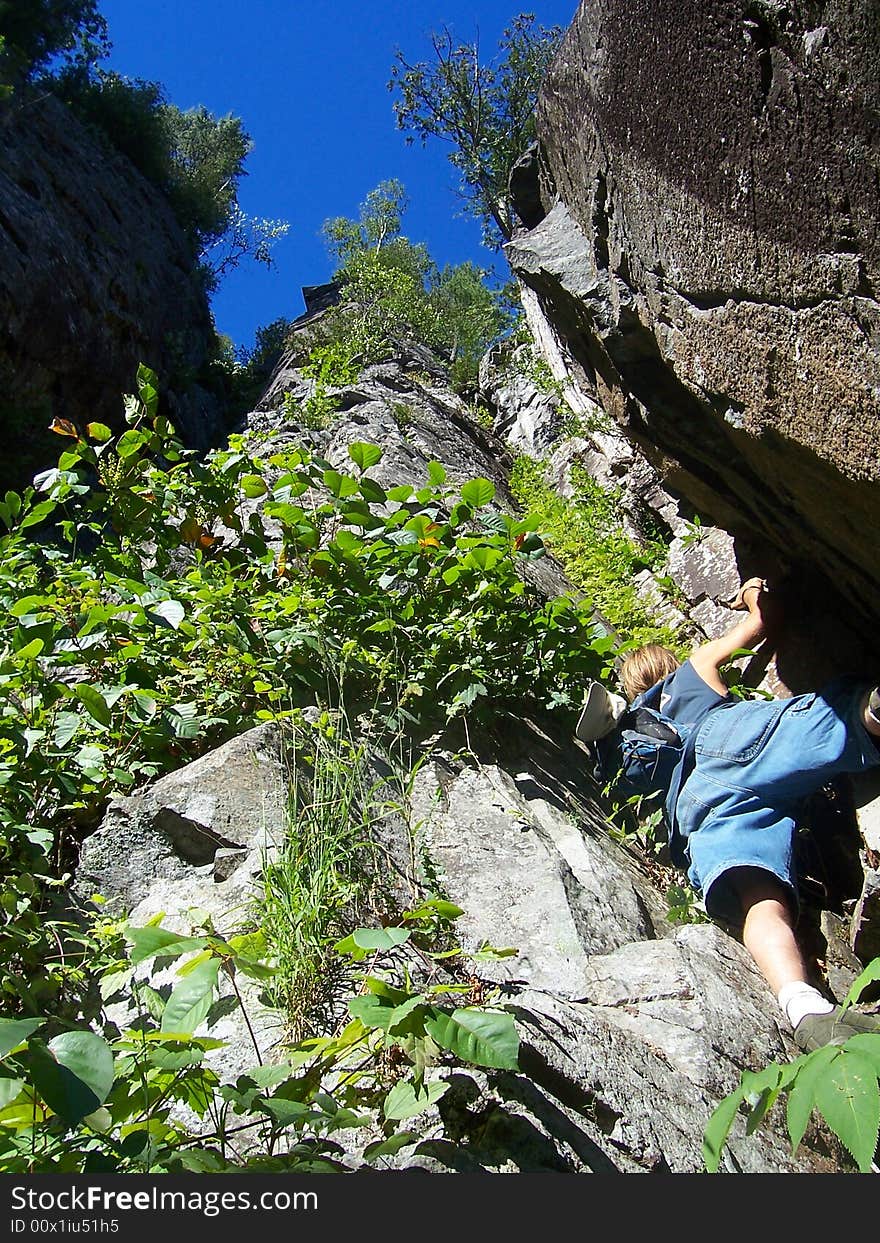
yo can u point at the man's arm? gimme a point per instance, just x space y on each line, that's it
708 659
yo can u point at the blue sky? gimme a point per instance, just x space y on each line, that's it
309 81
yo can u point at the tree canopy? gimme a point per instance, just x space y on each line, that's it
195 158
36 31
394 288
485 110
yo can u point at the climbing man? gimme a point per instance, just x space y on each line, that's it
735 787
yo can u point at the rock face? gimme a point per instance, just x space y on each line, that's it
631 1029
709 254
95 277
199 840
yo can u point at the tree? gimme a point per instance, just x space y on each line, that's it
377 232
33 32
485 111
207 155
393 290
471 317
206 163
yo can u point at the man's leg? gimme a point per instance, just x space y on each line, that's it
768 927
768 935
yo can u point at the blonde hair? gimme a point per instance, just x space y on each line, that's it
645 666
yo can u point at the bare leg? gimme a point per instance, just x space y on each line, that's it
768 928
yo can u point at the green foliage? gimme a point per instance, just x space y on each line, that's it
471 317
839 1082
683 906
322 872
695 533
377 228
207 157
128 112
241 375
586 534
394 293
93 1099
486 111
35 32
162 617
196 159
333 365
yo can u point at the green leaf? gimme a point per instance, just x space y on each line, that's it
73 1073
31 738
478 492
437 473
409 1017
66 726
372 491
372 1011
14 1031
167 612
861 982
401 493
340 485
849 1100
148 388
175 1056
191 1000
38 514
149 941
802 1094
388 1147
130 442
868 1044
718 1129
364 455
28 604
470 693
380 938
284 1112
30 650
404 1101
10 1090
253 486
483 558
98 431
435 906
94 702
482 1037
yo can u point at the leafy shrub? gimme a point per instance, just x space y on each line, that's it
587 535
840 1082
177 601
87 1098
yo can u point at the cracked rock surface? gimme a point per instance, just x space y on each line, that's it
709 255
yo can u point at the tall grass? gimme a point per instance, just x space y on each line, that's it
317 889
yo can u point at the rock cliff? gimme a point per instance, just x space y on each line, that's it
95 277
632 1028
706 247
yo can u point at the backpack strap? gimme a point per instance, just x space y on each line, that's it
677 844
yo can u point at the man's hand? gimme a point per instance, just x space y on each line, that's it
763 614
762 604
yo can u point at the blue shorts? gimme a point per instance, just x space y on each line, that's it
755 763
